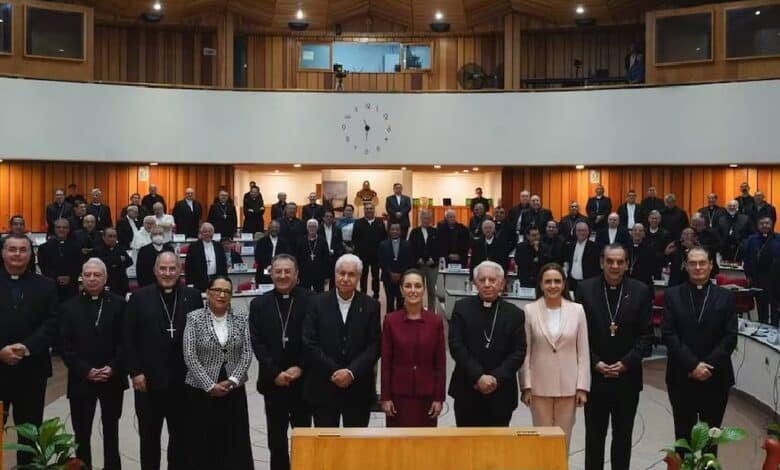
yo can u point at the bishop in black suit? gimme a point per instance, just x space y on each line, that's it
91 333
205 259
598 208
619 310
277 208
398 206
488 247
613 233
581 257
144 266
222 215
59 209
153 336
276 326
313 258
530 256
254 209
341 336
700 332
60 260
266 248
369 231
128 225
116 260
642 259
28 327
312 210
395 257
291 228
487 342
187 214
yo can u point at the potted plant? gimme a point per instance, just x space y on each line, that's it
49 445
697 454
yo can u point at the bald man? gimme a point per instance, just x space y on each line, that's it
205 259
152 198
187 214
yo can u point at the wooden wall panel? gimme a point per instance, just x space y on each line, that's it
557 186
719 68
136 54
551 53
26 187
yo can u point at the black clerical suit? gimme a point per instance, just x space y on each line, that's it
475 225
196 267
675 220
253 210
529 261
480 348
277 210
733 231
332 344
87 241
392 205
622 237
747 205
153 350
591 262
144 266
480 200
641 262
28 307
631 306
659 240
188 220
102 215
126 232
313 263
56 211
762 268
264 253
292 230
312 211
568 223
553 249
536 218
765 210
507 233
398 263
91 333
711 215
700 325
495 251
335 249
598 206
272 318
622 213
224 219
366 238
148 202
61 258
648 205
454 240
117 261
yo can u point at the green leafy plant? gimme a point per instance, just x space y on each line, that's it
49 445
698 455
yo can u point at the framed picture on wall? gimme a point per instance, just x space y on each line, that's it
334 194
595 176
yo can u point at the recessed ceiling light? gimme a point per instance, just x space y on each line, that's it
62 50
439 16
1 20
403 168
476 168
580 166
299 14
465 171
758 12
438 167
733 165
157 6
297 165
1 160
698 49
153 164
276 171
580 9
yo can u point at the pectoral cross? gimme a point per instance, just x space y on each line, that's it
312 256
613 328
172 330
285 339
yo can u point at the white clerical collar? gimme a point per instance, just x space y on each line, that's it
653 230
157 247
582 242
14 277
489 241
612 229
94 297
345 301
206 243
370 221
168 291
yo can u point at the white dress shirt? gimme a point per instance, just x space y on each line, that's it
189 203
576 264
554 322
344 305
211 258
631 211
346 232
274 241
424 234
220 328
612 232
328 235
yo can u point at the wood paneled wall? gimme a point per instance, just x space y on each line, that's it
272 62
149 55
557 186
27 187
59 69
719 68
551 53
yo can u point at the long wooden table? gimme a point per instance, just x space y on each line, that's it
522 448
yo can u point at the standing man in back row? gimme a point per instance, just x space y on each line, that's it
398 207
598 208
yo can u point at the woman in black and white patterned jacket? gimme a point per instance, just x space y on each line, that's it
218 352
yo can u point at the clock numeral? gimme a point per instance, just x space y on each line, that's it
347 138
376 108
388 130
348 116
365 152
378 148
356 109
385 116
355 147
343 127
386 139
368 105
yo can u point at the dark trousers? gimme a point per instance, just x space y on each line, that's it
283 409
25 400
314 284
354 416
82 414
766 304
394 298
618 404
478 412
692 402
373 264
152 408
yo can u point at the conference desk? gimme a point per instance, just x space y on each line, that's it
520 298
756 364
459 279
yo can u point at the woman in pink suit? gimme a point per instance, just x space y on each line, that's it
413 359
555 377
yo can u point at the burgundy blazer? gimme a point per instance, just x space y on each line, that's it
413 357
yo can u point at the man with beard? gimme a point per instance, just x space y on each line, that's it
116 261
266 249
762 269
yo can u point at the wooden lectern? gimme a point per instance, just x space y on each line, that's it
527 448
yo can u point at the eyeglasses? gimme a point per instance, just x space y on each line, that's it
218 291
16 250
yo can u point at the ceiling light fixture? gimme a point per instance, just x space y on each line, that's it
403 168
580 10
758 12
439 16
476 168
276 171
733 165
438 167
465 171
580 166
157 6
153 164
297 165
299 14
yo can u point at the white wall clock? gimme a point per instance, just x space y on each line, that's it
366 129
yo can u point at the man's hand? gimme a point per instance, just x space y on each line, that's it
604 369
139 383
219 391
295 372
94 375
702 372
670 248
486 384
342 378
283 379
388 407
63 280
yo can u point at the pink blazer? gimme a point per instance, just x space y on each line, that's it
556 368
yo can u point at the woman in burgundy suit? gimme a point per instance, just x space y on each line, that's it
413 359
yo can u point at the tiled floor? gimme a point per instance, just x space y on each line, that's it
652 431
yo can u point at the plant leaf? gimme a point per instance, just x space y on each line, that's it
28 449
27 431
699 436
682 444
731 434
46 432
